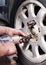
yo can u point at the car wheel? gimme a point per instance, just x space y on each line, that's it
34 52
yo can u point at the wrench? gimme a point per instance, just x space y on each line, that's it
16 39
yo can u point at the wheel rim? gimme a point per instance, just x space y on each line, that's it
21 20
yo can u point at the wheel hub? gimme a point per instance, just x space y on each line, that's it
34 29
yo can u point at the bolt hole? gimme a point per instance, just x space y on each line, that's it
36 9
26 13
44 21
39 29
41 52
45 37
30 48
22 25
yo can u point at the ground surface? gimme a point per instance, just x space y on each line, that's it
5 61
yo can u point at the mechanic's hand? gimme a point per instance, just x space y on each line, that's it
11 32
9 47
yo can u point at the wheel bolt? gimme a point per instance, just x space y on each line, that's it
39 29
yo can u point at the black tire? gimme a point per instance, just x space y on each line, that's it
43 2
14 9
2 23
24 61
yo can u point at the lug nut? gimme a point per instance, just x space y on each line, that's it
39 29
31 23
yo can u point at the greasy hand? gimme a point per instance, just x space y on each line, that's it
9 47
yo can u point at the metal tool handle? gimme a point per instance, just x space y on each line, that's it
6 38
16 39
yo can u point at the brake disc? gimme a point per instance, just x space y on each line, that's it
25 14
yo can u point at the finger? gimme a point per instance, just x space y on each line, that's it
19 32
11 47
10 33
3 50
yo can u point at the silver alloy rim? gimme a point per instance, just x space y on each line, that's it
34 54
